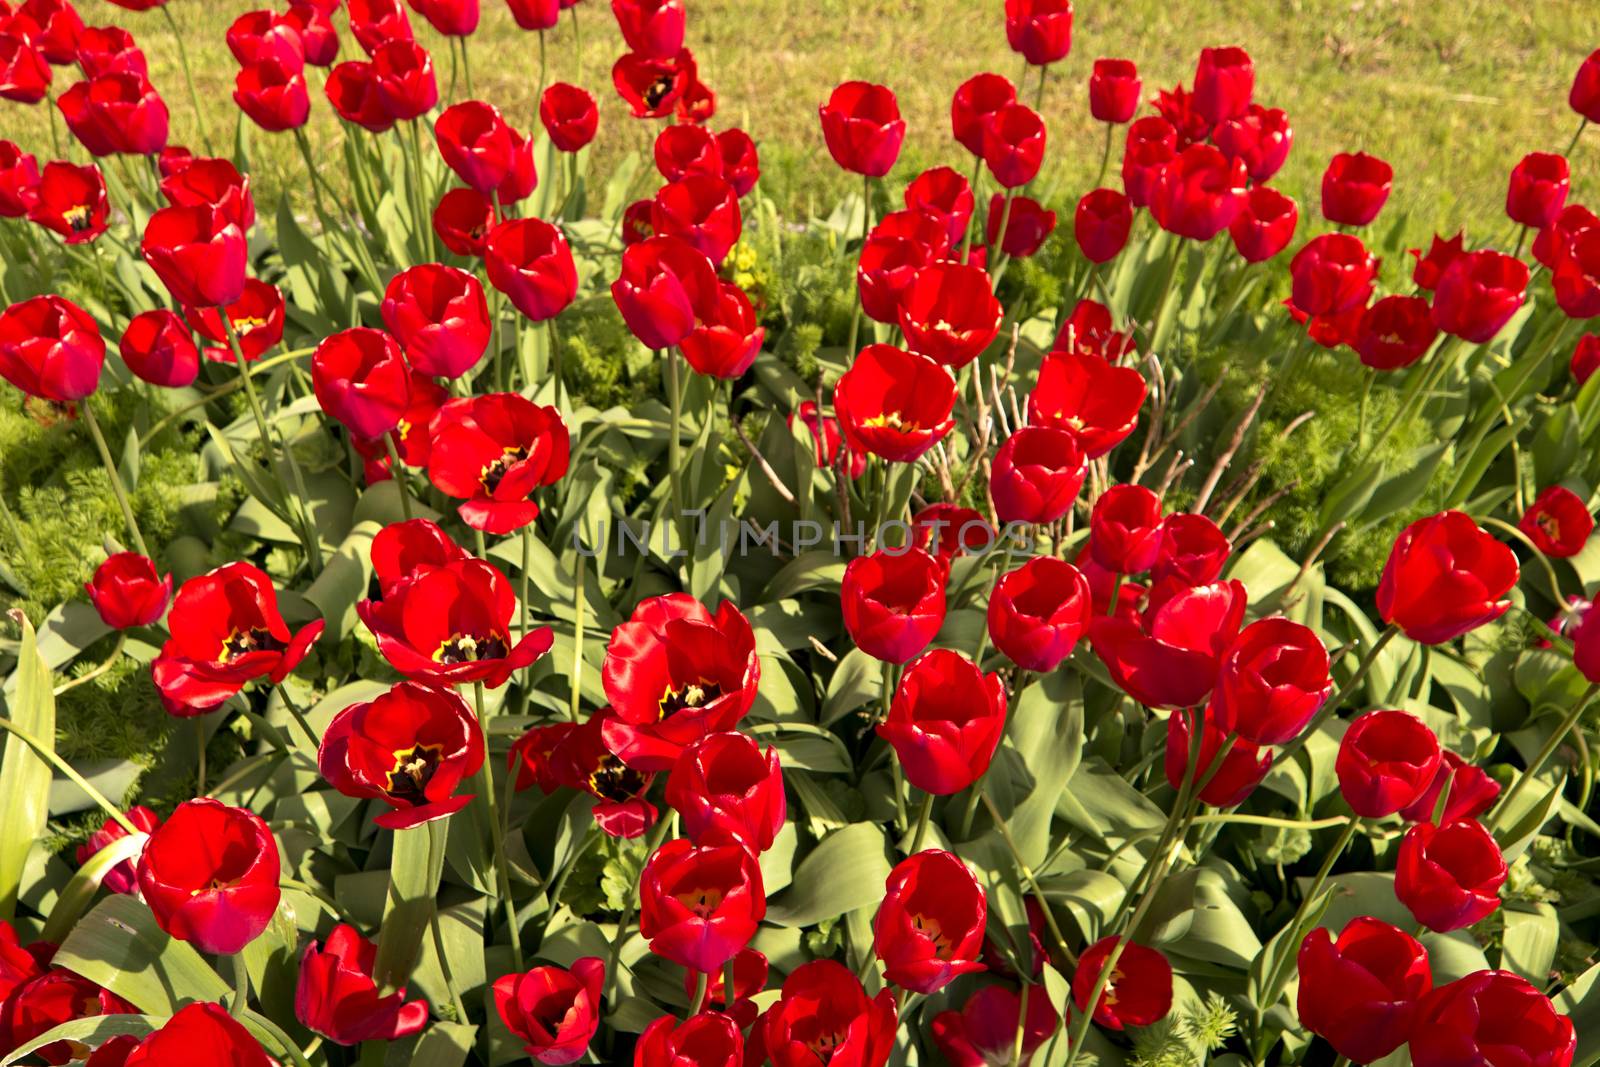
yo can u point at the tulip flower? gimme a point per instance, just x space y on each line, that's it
974 102
1101 224
273 94
1445 576
929 928
1125 529
463 219
1538 189
226 631
475 142
1473 1018
450 625
1241 769
265 35
1013 144
893 602
198 253
1576 287
116 113
530 261
1038 612
1265 224
40 1003
682 150
19 181
256 318
945 722
862 126
1585 358
1360 992
1584 97
725 344
949 530
1558 522
452 18
71 201
361 379
439 316
1354 188
1199 193
700 905
984 1030
1093 401
1431 267
1037 474
1139 991
1332 273
214 183
210 875
1089 330
317 36
336 997
885 270
665 286
536 15
1114 90
352 89
123 878
652 87
949 313
1192 550
1169 654
728 792
703 210
741 164
201 1032
574 756
1039 30
1449 876
1260 139
1224 81
708 1039
1472 792
569 116
894 404
493 452
24 73
404 74
51 348
553 1011
410 748
1386 761
675 672
1026 230
945 196
127 592
1395 332
1272 681
822 1005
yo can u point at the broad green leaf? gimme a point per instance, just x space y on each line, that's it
444 1045
75 898
414 873
92 1032
847 871
119 946
24 775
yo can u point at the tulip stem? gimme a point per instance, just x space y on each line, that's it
1307 902
62 767
117 488
866 228
200 756
1576 134
1000 236
729 992
922 824
300 718
701 981
1022 1006
466 66
1027 876
1329 709
241 986
1105 156
675 447
543 73
501 863
1162 326
555 359
657 836
1547 750
972 223
580 603
100 669
188 77
397 471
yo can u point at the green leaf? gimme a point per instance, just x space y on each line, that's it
77 894
119 946
847 871
444 1045
93 1031
414 873
24 776
1581 1001
1528 945
1046 730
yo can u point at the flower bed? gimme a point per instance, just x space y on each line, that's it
525 619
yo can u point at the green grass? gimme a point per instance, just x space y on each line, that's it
1451 93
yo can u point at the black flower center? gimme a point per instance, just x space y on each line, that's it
694 695
241 642
613 780
464 648
414 768
497 470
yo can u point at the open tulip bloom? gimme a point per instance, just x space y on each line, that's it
509 600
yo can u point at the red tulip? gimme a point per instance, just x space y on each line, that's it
536 14
1585 358
53 26
336 997
728 792
51 348
1026 230
700 905
698 103
984 1031
317 35
1038 612
949 530
71 202
1444 577
273 94
862 125
929 928
1558 522
1395 332
360 378
569 116
1332 273
1538 190
213 183
1354 188
116 113
256 317
19 181
452 18
1273 680
709 1039
1449 876
949 313
198 253
409 748
944 195
1490 1014
463 220
403 70
266 35
703 210
493 452
202 1032
1224 82
553 1011
406 550
894 404
575 756
1265 224
1260 139
1101 224
651 27
652 87
1360 993
1089 330
824 1011
210 875
1577 277
127 591
978 98
1169 654
1151 145
1139 991
1125 529
741 164
1584 98
226 630
727 342
40 1003
1039 30
1192 550
24 73
945 722
1226 785
675 672
440 317
530 261
1013 144
828 440
886 269
1431 267
1094 401
1037 474
1114 90
122 878
352 89
1198 194
475 142
1386 761
893 602
1471 794
665 286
